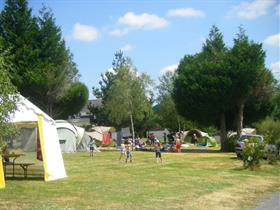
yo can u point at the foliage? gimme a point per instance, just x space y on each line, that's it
253 152
73 100
248 87
43 68
119 61
8 98
166 110
211 130
199 80
276 108
270 128
19 31
126 96
231 142
249 75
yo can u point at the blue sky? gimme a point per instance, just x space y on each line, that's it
156 34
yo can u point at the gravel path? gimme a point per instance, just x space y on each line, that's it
271 202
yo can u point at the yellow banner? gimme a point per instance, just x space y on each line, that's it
2 177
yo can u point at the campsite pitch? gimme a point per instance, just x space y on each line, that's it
183 181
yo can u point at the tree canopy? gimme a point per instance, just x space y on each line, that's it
124 93
44 70
8 97
218 82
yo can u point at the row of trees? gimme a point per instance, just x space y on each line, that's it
221 85
42 67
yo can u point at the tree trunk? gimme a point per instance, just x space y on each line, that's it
179 125
50 109
223 132
132 126
240 117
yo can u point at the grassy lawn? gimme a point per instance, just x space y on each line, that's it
184 181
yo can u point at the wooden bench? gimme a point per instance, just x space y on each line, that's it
24 166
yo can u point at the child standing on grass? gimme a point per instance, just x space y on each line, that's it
91 147
122 151
157 151
128 149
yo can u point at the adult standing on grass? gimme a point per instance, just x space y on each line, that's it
157 150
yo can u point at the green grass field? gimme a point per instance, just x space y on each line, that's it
184 181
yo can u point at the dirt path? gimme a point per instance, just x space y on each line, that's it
272 202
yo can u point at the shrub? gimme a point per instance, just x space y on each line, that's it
231 142
212 142
270 128
253 152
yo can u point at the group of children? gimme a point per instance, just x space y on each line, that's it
126 151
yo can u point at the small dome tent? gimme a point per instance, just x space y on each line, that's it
68 136
42 139
72 138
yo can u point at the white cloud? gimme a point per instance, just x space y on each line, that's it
277 9
186 12
144 20
130 21
251 10
170 68
273 40
119 32
85 32
275 67
126 48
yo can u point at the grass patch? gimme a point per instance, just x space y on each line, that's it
183 181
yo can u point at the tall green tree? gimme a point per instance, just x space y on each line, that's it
202 87
106 82
44 70
247 63
57 72
8 97
19 31
127 98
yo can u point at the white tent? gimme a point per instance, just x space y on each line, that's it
98 131
27 116
68 136
72 138
243 131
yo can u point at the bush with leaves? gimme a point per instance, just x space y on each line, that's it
270 128
231 142
253 152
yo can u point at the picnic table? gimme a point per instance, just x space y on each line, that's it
14 156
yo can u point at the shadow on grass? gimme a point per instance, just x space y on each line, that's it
19 178
200 151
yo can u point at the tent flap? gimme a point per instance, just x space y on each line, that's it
2 178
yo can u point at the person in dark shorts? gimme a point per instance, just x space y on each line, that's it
91 147
157 150
128 149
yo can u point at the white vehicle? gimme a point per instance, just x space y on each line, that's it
240 143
